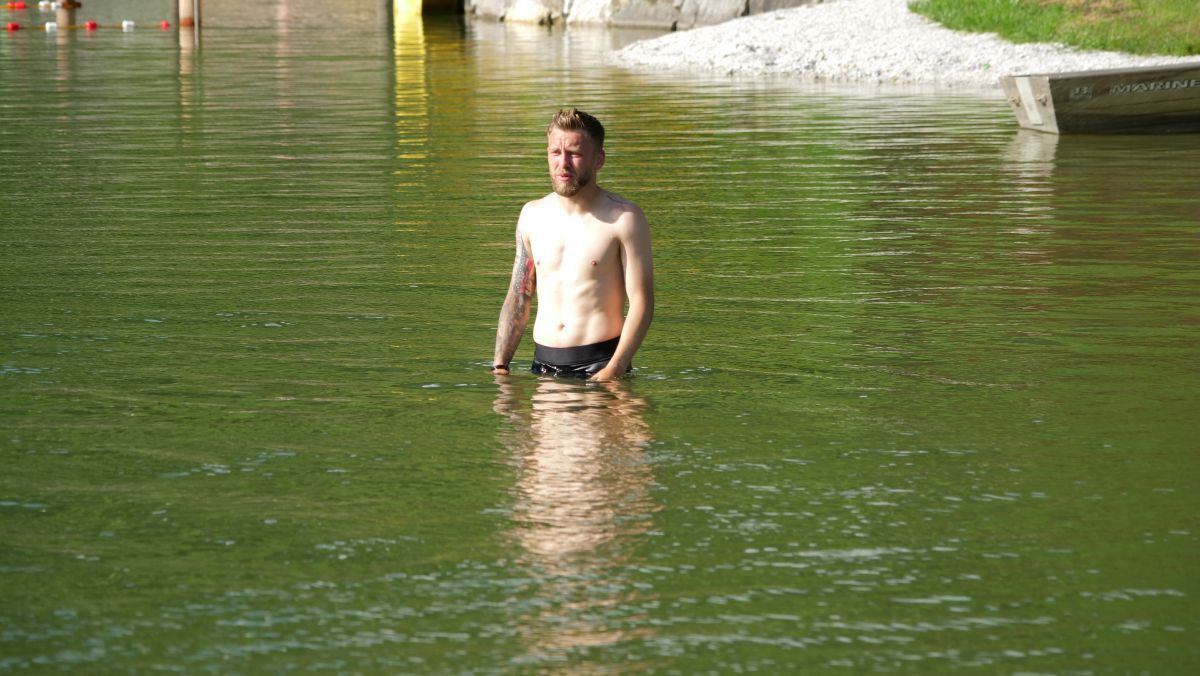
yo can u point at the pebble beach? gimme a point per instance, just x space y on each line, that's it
863 41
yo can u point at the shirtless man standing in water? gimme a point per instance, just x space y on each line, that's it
586 251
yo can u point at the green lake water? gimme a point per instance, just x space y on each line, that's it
920 394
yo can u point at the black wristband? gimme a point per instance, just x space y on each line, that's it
500 366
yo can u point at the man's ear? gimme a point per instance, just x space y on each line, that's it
600 159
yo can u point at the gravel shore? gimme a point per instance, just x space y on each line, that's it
872 41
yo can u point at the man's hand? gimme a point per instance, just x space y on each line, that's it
609 372
499 371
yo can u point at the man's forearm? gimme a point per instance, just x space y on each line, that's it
514 317
633 332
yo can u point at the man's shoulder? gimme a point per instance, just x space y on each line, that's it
535 210
622 211
539 203
616 208
619 204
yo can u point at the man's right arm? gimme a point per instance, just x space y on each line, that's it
514 315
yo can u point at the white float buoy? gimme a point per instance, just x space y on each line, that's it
127 25
51 26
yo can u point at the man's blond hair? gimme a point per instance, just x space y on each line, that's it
577 120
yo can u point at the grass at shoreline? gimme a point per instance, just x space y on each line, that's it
1134 26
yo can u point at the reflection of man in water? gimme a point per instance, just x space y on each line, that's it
581 503
581 452
587 252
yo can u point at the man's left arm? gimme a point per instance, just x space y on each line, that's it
639 289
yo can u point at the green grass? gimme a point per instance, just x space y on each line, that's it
1134 26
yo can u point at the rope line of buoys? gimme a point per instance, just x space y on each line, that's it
44 5
51 26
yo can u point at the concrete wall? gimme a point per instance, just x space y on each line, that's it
671 14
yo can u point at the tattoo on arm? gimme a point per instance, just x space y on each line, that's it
523 271
514 316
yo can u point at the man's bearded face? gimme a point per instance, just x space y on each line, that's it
573 160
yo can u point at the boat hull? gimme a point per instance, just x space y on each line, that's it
1158 99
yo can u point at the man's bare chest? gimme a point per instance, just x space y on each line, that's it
574 252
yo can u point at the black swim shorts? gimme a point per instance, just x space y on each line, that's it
573 362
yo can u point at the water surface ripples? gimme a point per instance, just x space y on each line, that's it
917 396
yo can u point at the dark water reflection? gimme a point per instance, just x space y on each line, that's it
919 395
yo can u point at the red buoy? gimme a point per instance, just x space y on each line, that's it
17 5
13 26
166 24
90 25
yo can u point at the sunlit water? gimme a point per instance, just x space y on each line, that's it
920 394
